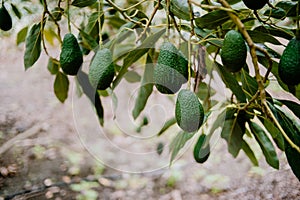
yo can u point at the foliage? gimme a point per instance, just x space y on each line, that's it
250 113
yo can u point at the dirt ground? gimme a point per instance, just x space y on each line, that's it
54 152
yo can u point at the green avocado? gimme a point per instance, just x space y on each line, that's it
189 112
234 51
171 70
289 64
5 19
71 55
201 149
255 4
102 70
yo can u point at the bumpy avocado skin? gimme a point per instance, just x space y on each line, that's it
189 112
5 19
255 4
234 51
171 69
102 70
71 56
289 64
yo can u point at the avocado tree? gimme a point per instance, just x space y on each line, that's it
184 45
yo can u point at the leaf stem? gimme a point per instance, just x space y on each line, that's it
68 15
100 12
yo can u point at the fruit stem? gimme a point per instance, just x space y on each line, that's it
68 14
168 19
100 13
298 27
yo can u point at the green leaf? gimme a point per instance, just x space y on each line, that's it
83 3
289 7
212 19
132 77
61 86
274 132
265 145
145 90
92 94
88 40
21 36
231 83
233 134
277 13
249 84
178 143
53 66
248 151
180 9
137 53
260 37
16 10
293 106
33 46
167 125
276 31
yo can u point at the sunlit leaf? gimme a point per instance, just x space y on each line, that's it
249 84
212 19
248 151
53 66
61 86
178 143
167 125
21 36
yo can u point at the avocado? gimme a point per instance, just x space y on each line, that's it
5 19
255 4
234 51
71 55
201 149
171 70
189 112
289 64
102 70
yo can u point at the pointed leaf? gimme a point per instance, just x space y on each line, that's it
231 83
233 134
274 132
61 86
167 125
265 145
248 151
92 94
83 3
178 143
293 106
249 84
53 66
212 19
137 53
259 37
33 46
16 10
145 90
21 36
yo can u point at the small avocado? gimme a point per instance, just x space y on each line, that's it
255 4
5 19
102 70
189 112
289 64
234 51
201 149
71 56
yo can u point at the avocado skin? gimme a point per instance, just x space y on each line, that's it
71 56
289 64
255 4
5 19
102 70
234 51
171 70
201 152
189 112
